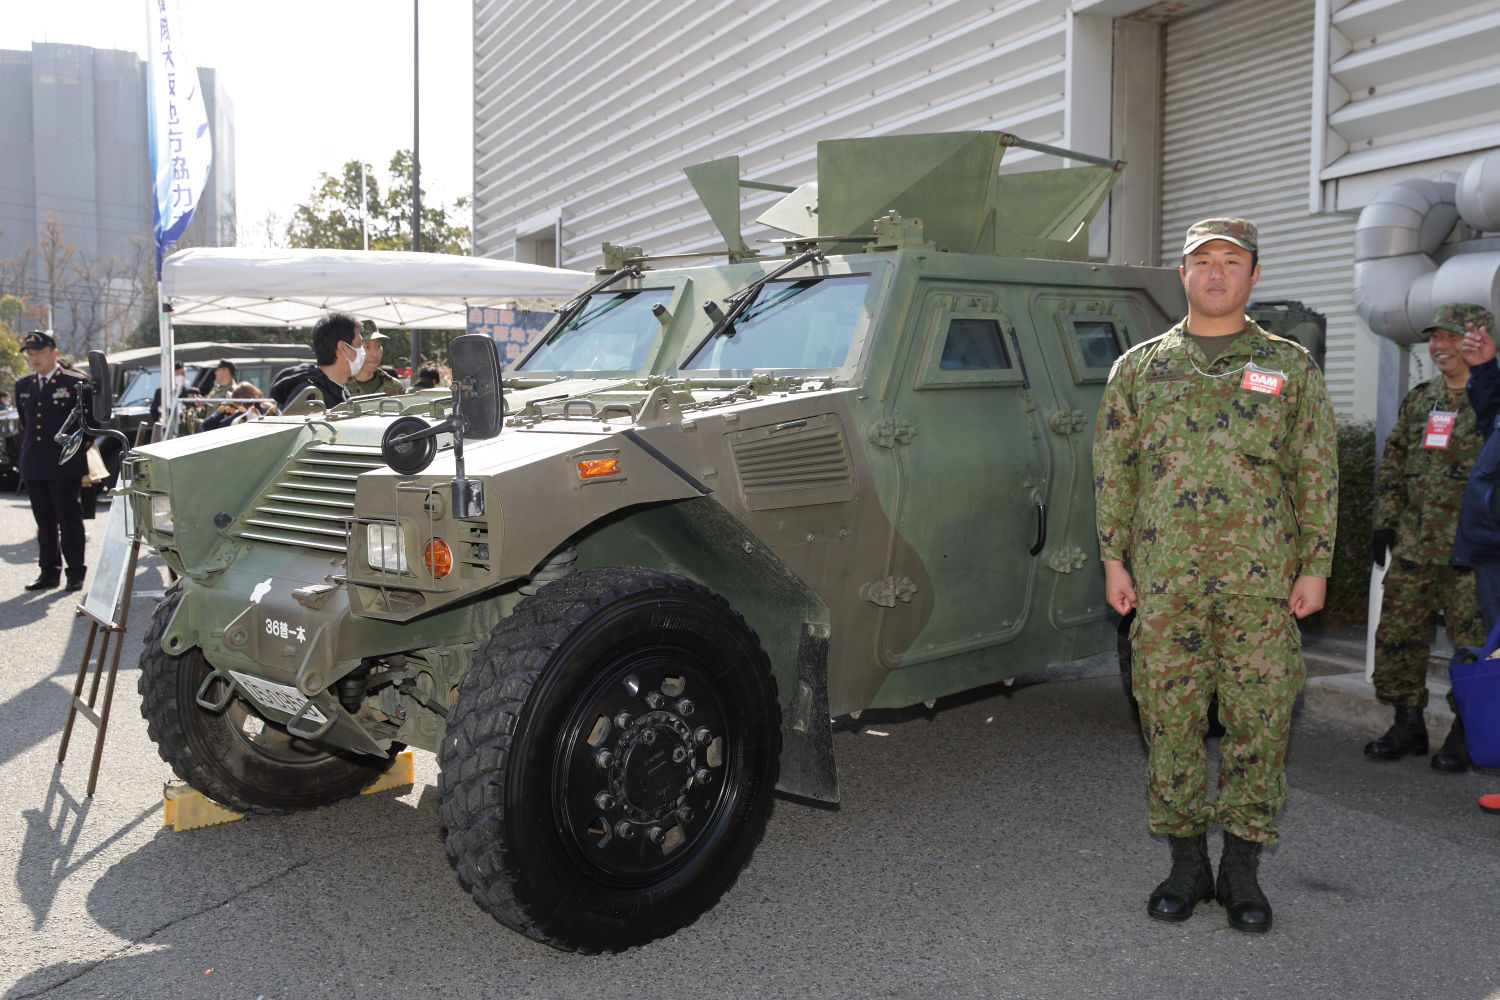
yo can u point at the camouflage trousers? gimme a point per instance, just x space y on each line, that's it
1249 650
1414 594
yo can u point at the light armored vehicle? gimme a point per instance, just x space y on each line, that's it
721 504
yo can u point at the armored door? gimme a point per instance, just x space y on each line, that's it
973 469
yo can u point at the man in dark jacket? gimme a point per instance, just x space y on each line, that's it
45 398
339 352
1478 541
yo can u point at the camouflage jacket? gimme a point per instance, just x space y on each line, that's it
1206 485
378 382
1419 489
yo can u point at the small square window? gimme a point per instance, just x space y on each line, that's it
974 345
1097 343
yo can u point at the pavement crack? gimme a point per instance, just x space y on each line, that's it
155 931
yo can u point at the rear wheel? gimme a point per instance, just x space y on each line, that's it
236 756
609 764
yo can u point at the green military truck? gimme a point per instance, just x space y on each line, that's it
731 497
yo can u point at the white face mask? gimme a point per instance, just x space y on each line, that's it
358 362
180 380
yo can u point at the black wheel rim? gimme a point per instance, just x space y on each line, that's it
644 776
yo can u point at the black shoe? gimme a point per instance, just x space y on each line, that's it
1238 891
43 582
1407 735
1453 757
1191 881
75 585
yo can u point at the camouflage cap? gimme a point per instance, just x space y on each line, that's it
1455 317
1240 232
370 331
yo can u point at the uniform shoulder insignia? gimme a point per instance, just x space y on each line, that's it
1143 344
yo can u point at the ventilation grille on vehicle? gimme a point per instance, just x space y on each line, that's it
793 464
310 503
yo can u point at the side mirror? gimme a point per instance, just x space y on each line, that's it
104 389
476 374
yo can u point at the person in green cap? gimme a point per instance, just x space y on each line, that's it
1428 455
1216 480
370 379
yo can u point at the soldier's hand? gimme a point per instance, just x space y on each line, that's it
1478 346
1119 589
1308 593
1381 544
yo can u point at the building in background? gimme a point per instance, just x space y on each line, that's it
75 187
1291 112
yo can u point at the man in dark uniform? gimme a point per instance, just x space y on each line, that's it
44 399
340 354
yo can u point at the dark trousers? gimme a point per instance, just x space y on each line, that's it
1487 582
57 506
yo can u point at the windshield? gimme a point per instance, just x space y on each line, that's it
613 332
807 323
141 385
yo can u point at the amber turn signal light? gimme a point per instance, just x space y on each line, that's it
593 468
439 558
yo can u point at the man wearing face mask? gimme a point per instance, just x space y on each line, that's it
339 352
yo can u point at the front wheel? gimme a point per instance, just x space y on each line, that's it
236 756
610 760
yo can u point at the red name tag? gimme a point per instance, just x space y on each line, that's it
1259 381
1439 429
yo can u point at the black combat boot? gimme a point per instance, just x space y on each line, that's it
1191 881
1453 756
1408 734
1238 891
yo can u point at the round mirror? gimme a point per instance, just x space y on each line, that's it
408 457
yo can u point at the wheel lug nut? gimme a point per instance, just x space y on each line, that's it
702 736
648 736
679 754
604 800
684 706
603 759
622 720
703 776
625 830
685 814
655 700
654 835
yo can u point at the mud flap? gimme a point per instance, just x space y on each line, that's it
807 765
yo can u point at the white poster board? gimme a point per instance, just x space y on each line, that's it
108 581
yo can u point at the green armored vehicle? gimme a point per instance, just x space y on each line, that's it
720 504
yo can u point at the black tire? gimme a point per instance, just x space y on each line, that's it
267 771
533 818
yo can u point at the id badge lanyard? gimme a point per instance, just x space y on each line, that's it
1439 430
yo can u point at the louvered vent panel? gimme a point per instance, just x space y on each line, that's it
310 503
794 464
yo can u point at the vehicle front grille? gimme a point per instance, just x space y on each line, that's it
310 503
794 464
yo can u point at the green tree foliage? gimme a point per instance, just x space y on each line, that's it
330 218
12 361
1349 587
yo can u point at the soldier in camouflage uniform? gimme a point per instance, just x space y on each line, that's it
1418 492
1216 478
370 379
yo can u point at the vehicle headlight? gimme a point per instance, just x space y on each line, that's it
385 547
161 513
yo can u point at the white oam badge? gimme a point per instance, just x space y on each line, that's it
1259 379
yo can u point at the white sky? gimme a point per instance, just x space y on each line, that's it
314 83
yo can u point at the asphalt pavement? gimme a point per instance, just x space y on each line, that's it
993 847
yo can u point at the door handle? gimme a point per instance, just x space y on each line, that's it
1041 524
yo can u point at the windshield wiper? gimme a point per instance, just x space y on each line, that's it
740 300
566 314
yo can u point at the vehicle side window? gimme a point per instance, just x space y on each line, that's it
974 345
1098 343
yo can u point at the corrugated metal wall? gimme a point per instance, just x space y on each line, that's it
1236 141
593 109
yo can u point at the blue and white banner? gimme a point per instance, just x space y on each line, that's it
181 148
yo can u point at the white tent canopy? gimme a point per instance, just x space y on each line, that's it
245 286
